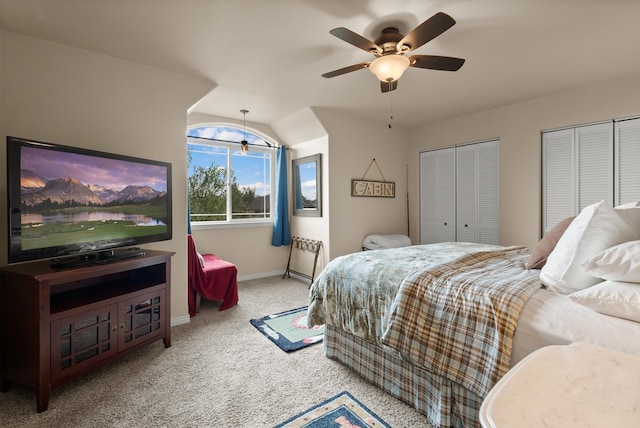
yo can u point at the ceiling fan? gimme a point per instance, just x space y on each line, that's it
389 49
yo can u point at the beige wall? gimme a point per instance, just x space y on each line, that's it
519 128
56 93
316 228
353 143
348 144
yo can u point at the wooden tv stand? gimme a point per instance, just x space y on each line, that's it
59 324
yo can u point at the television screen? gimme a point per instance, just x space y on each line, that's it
68 201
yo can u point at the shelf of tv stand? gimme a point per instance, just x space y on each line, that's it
45 311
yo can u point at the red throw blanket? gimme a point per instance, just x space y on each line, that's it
217 280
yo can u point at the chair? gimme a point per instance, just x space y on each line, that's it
210 277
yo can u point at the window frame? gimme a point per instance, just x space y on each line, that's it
232 150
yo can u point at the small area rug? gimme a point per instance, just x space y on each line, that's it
289 329
343 410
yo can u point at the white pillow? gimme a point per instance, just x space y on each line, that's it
617 299
619 263
596 228
631 216
628 205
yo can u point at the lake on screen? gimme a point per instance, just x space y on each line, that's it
140 220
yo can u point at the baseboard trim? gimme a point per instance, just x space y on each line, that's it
260 275
185 319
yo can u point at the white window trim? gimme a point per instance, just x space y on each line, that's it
203 225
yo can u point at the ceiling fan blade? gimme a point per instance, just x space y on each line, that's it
435 62
388 86
428 30
344 70
355 39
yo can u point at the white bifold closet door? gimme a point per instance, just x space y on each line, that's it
437 196
627 161
460 194
478 192
577 170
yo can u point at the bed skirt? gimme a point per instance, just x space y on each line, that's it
444 403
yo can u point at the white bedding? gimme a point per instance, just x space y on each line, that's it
550 318
380 242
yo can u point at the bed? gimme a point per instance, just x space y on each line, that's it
438 325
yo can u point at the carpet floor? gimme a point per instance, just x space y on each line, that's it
220 372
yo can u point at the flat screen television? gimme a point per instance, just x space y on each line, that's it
68 201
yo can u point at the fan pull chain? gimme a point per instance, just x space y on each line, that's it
390 106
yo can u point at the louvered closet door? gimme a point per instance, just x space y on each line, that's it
558 177
446 196
627 161
466 193
437 196
428 191
478 192
577 170
488 155
594 150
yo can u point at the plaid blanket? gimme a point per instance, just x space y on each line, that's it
458 319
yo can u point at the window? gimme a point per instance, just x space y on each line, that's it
225 185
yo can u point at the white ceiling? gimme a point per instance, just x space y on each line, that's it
267 55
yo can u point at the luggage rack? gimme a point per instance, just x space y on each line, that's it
303 244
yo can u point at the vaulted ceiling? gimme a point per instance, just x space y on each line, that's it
267 55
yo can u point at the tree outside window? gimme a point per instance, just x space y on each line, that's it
224 184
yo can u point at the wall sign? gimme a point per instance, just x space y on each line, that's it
376 189
383 189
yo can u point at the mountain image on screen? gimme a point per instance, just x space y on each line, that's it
70 191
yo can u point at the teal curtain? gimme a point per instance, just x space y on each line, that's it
281 231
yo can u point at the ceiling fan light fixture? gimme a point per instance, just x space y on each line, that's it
389 68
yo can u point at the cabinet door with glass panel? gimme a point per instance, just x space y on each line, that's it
80 340
142 317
